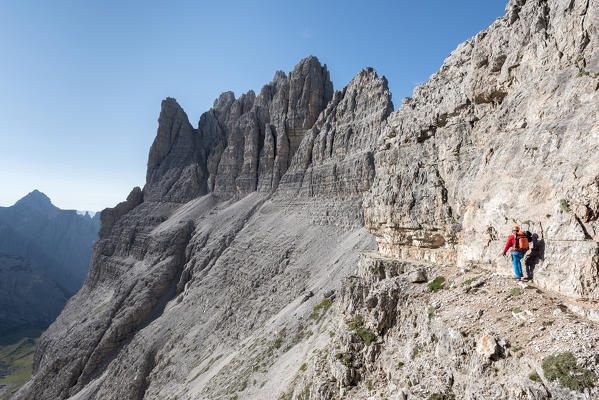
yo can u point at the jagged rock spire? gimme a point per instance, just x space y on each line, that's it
241 145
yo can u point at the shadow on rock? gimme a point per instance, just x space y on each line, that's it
537 254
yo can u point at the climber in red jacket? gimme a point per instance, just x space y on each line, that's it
519 242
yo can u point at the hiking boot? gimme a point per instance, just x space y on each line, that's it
516 278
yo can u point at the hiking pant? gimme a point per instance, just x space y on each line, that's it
516 257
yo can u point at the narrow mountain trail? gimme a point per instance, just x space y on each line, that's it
425 330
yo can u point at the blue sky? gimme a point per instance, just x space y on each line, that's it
81 81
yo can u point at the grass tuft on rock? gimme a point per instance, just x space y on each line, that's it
320 310
469 281
377 269
366 335
442 396
534 377
344 358
431 312
357 326
436 284
355 323
305 393
562 367
415 352
564 205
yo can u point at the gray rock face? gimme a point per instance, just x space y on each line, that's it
392 336
44 258
218 257
489 142
334 164
111 215
197 288
28 298
241 145
176 164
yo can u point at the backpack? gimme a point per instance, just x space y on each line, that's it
521 242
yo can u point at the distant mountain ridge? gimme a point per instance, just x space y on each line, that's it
44 258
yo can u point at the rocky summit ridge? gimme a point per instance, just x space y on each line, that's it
311 244
241 145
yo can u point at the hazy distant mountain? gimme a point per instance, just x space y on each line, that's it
44 258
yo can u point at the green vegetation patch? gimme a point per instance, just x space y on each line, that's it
534 377
442 396
415 352
344 358
515 291
357 322
243 385
207 367
279 340
564 368
366 335
582 72
431 312
357 326
301 333
305 393
16 360
320 310
436 284
469 281
377 269
516 310
564 205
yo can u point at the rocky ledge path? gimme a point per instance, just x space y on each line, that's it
404 330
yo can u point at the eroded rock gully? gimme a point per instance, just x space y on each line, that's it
310 244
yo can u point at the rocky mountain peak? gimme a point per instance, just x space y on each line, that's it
279 76
310 89
224 101
172 124
240 145
37 201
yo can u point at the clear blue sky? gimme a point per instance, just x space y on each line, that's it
81 81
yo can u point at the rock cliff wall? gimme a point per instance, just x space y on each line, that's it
493 140
241 145
210 240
